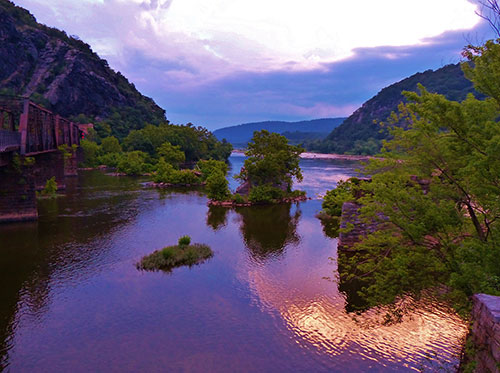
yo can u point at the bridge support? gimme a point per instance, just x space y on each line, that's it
48 165
17 193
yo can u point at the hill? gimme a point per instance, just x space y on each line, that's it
63 74
318 128
361 133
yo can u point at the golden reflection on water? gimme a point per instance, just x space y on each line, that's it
314 312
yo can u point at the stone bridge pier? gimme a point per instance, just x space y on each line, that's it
17 193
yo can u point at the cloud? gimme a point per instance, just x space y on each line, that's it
222 62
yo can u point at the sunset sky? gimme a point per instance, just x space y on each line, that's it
224 62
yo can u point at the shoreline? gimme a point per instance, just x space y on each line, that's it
310 155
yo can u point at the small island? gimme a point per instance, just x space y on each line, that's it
266 176
170 257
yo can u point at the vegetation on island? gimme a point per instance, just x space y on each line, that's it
170 154
267 174
182 254
436 190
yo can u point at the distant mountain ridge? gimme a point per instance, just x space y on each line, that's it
361 134
62 73
242 133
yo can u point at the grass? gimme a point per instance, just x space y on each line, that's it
175 256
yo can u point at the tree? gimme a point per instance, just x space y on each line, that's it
111 145
172 154
217 186
436 194
272 161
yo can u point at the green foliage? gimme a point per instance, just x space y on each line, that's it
111 145
210 166
172 154
238 198
166 173
271 160
438 186
217 186
133 163
50 189
335 198
176 256
362 133
90 153
196 142
110 159
265 193
184 241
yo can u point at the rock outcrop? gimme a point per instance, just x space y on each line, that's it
62 73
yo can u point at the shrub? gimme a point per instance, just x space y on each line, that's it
111 145
335 198
132 163
184 241
110 159
50 188
217 187
238 198
207 168
265 194
90 153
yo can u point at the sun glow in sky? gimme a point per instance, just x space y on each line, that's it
225 62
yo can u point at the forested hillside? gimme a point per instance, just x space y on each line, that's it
241 134
361 133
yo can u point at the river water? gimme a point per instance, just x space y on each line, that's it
72 299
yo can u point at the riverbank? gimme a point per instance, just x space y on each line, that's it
309 155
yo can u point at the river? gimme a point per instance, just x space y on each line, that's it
72 299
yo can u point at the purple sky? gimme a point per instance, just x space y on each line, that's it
223 62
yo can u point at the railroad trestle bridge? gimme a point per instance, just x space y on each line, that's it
35 145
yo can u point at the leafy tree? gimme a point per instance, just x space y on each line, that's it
217 186
133 163
207 168
436 194
111 145
272 161
90 153
172 154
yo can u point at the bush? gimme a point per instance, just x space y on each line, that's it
217 187
207 168
238 198
110 159
132 163
335 198
184 241
90 153
111 145
265 194
50 188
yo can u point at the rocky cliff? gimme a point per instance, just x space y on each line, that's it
64 74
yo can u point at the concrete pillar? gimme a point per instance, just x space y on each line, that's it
48 165
17 193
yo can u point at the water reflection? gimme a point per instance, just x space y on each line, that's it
34 254
217 217
268 229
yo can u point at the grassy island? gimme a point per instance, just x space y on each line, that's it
176 256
